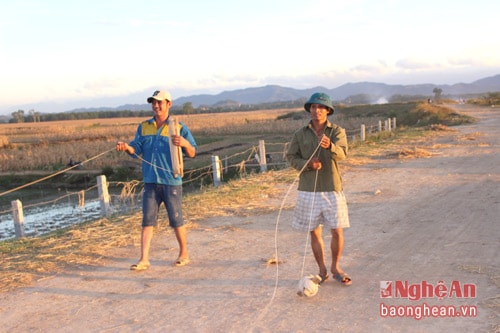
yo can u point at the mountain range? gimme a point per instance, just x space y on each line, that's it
275 93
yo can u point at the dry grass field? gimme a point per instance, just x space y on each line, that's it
51 145
32 152
29 151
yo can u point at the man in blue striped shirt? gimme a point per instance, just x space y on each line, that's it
161 185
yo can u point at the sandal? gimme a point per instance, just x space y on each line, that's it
140 266
181 262
324 278
343 278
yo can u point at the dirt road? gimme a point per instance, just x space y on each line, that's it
433 222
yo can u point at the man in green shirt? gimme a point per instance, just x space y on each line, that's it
315 151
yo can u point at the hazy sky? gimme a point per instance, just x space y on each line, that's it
83 51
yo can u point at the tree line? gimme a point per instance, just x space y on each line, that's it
187 108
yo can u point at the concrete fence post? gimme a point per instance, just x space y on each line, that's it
262 154
104 197
216 170
17 213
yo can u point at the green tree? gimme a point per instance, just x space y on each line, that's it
33 116
18 116
437 94
187 108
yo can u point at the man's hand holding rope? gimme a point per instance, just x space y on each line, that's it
123 146
325 142
315 163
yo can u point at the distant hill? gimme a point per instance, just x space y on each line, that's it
275 93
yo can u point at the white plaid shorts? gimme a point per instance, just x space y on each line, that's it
315 208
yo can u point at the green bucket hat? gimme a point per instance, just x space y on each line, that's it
322 99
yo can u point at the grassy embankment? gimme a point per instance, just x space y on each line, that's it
46 147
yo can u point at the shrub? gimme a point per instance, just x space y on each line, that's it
107 171
125 174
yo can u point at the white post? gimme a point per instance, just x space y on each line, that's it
363 132
17 213
380 126
216 170
103 195
389 124
262 153
394 123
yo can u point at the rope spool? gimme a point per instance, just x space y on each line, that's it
175 151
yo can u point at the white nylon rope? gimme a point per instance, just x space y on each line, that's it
264 310
309 226
279 215
55 174
312 209
310 218
152 164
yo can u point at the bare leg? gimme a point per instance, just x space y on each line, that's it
337 245
317 246
146 237
181 235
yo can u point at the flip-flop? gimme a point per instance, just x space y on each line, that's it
181 262
324 278
343 278
140 266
